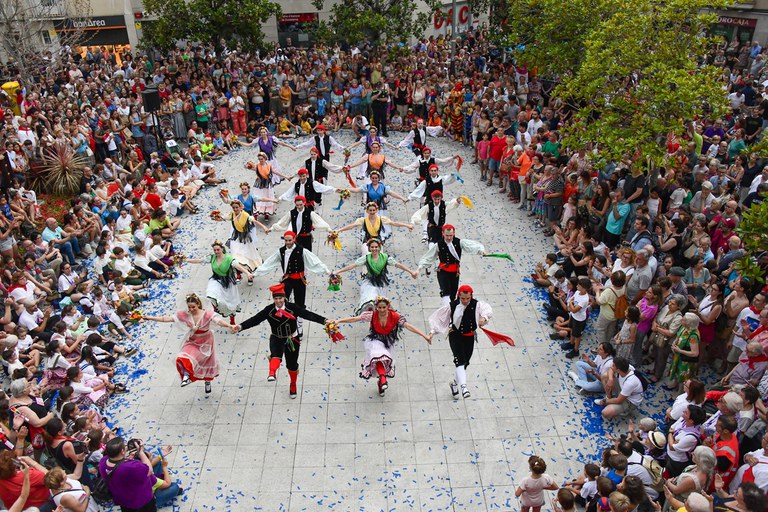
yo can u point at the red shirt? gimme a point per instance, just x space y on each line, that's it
498 145
154 201
10 489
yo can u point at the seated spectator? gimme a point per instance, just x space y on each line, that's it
630 392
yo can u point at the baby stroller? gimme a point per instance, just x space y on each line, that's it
172 155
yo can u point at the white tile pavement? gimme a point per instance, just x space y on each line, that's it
339 446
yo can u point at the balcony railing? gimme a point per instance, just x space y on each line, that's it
48 9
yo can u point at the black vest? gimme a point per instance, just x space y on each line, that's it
309 191
312 169
432 186
323 146
295 260
444 255
468 322
424 167
306 222
440 219
417 141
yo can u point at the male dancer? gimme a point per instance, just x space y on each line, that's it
425 162
323 143
302 221
460 319
282 317
310 189
294 260
448 250
432 216
416 138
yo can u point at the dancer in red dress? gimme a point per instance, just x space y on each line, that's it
197 358
386 325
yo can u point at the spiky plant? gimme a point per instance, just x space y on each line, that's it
62 169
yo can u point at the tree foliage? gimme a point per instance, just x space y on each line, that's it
632 70
230 23
753 230
376 21
22 23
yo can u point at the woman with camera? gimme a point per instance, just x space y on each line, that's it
68 452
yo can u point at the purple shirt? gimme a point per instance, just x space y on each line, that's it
649 312
130 483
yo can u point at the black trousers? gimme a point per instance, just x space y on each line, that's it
434 233
279 347
305 241
297 289
380 116
462 348
449 283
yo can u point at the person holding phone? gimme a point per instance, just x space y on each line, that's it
129 480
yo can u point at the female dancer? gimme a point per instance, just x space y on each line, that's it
368 141
264 187
197 359
385 329
376 280
268 146
373 225
245 198
377 192
222 285
375 161
242 239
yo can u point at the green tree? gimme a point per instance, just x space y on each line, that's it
222 22
753 231
631 69
375 20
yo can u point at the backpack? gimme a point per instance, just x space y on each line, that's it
643 380
621 306
99 486
655 470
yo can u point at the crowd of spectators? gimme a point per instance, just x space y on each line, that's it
654 251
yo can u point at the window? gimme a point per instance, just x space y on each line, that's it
46 37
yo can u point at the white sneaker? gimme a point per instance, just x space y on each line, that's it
599 401
573 375
464 391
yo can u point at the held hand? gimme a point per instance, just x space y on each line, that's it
415 274
237 328
483 322
22 433
429 338
409 226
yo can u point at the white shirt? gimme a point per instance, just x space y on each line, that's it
582 300
631 387
635 468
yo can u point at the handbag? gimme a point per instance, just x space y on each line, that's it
690 251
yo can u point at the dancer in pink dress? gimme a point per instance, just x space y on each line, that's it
197 358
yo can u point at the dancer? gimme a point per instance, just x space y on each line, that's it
222 286
264 186
197 359
315 165
374 161
448 250
368 140
432 182
305 187
376 278
242 238
322 143
417 137
424 163
377 192
385 329
302 221
294 260
245 198
373 225
461 318
268 145
283 341
432 216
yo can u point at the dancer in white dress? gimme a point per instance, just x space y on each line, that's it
376 279
268 145
385 328
264 187
222 285
368 140
242 238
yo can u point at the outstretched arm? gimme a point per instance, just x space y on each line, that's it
418 331
348 320
348 227
398 196
414 273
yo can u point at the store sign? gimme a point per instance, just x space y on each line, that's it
298 17
96 23
446 18
737 22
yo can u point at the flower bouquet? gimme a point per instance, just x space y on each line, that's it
347 153
346 169
224 194
333 332
333 240
250 165
216 215
334 282
135 316
343 196
179 259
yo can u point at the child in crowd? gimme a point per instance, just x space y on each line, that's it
577 306
584 487
483 153
545 272
625 339
531 488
